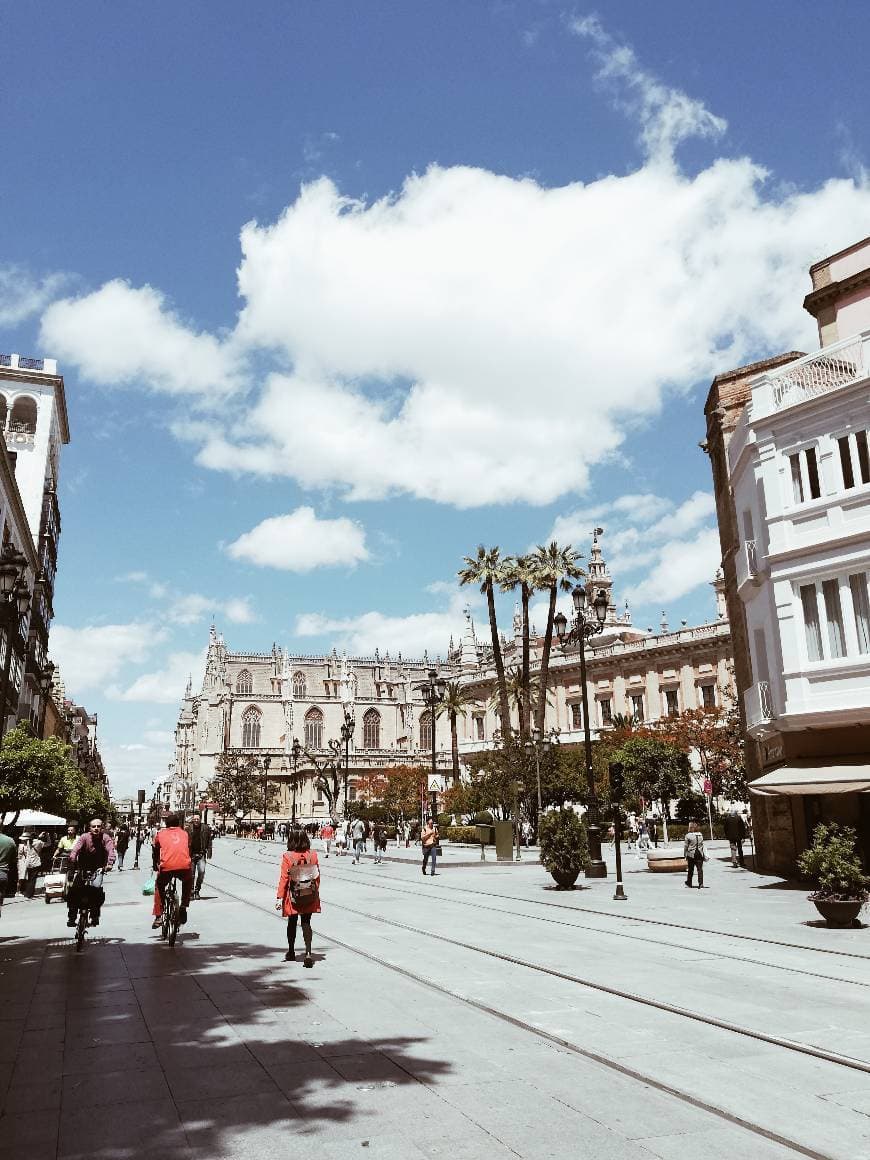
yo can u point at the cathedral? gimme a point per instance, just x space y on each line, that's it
259 703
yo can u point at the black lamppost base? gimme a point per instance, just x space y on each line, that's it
619 894
596 869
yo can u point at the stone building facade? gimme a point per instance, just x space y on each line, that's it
257 704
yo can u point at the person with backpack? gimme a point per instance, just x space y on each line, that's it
122 841
298 894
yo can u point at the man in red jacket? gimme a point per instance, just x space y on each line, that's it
171 855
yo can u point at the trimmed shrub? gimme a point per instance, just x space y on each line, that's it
564 846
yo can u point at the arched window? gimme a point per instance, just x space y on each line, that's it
372 730
313 729
4 410
23 415
426 730
299 688
244 684
251 728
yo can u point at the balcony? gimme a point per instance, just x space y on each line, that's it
832 367
758 704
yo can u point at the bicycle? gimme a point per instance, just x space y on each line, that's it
86 881
171 912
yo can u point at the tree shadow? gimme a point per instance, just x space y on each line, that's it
782 884
195 1047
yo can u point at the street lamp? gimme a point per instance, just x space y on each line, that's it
541 743
433 694
45 679
14 603
295 751
267 761
588 622
346 737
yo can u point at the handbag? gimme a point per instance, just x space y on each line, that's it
303 883
148 888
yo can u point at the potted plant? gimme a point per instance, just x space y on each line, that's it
564 847
832 863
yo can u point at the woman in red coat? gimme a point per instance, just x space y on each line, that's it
299 869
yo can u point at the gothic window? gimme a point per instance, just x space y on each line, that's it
313 729
426 730
372 730
244 684
298 685
251 728
23 415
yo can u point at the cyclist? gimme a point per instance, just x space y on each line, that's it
200 849
93 851
170 854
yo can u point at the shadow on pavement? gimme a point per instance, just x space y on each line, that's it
136 1049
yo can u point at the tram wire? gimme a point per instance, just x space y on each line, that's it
647 1080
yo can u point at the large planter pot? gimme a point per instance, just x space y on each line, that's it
565 879
666 859
838 912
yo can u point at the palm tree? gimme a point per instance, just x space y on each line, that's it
556 568
523 571
455 704
486 570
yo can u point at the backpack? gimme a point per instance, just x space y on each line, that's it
304 885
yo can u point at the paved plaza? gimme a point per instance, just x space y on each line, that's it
477 1014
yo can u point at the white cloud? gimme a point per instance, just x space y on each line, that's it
434 334
299 542
655 550
410 635
121 334
90 656
22 295
165 686
667 116
132 767
190 607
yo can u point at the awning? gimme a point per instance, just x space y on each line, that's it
813 776
30 818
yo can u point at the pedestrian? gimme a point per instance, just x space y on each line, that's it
122 841
429 842
653 831
327 835
358 837
735 832
29 863
694 853
200 850
642 842
299 892
631 828
8 864
340 841
66 843
379 837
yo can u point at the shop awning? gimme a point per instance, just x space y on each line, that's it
28 818
814 776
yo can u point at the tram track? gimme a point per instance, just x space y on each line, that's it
402 887
792 1045
649 1080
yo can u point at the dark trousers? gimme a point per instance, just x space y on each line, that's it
163 877
79 893
291 929
696 862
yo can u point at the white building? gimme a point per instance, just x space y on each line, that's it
799 469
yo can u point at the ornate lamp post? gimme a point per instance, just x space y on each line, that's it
267 761
346 738
45 680
433 694
295 751
588 622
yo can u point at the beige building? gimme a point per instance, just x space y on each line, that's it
631 672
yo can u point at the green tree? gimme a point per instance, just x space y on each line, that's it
486 569
556 569
38 774
455 704
653 768
238 786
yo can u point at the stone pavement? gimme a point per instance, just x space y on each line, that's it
217 1048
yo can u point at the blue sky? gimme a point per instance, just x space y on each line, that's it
340 290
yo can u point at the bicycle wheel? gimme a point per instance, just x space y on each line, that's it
167 910
173 921
81 927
